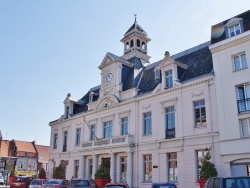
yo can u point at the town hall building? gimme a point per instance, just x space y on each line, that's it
154 121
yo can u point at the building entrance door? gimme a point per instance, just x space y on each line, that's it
106 162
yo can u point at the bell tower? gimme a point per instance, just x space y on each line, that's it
135 42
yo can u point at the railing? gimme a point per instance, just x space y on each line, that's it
112 141
243 105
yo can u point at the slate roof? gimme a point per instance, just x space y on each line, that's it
135 27
43 153
218 32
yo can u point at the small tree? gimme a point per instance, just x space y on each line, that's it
42 173
102 172
207 167
59 172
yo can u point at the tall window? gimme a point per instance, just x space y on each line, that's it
124 126
169 79
65 137
200 156
90 168
78 136
147 123
200 113
92 132
67 112
234 30
55 140
245 127
107 129
123 168
172 167
240 62
243 92
76 171
170 122
147 168
20 164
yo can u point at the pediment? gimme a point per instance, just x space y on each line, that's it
107 60
106 102
233 21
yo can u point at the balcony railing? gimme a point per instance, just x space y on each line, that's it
243 105
112 141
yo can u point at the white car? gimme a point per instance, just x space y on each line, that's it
1 180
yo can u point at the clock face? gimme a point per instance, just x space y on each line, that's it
109 77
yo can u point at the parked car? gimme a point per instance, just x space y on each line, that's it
228 182
56 183
164 185
1 180
82 183
116 185
21 182
37 183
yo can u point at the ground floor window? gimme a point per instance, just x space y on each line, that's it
172 167
124 168
76 168
90 168
147 168
248 169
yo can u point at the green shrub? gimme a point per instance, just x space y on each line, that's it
42 173
102 173
207 167
59 172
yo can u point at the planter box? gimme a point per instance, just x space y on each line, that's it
202 182
102 182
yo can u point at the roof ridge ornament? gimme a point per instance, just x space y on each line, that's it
135 16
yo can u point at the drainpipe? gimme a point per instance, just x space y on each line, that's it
137 140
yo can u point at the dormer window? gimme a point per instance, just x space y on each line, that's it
143 46
157 72
138 43
234 30
169 79
91 96
234 27
66 112
127 45
131 43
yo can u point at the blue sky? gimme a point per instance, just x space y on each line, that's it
51 48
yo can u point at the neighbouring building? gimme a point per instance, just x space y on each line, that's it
147 122
26 158
231 57
43 157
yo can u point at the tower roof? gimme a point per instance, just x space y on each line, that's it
135 28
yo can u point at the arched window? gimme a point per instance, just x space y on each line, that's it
131 43
143 46
127 45
138 43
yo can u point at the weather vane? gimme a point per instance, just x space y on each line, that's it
135 16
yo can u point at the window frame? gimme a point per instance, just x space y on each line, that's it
55 141
200 107
242 64
90 173
92 132
147 123
243 98
65 140
124 165
78 137
76 168
124 126
234 29
169 79
107 129
175 169
244 132
199 158
147 168
169 113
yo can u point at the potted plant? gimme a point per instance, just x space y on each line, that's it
102 176
59 172
207 169
42 173
12 176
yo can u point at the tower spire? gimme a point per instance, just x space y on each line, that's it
135 16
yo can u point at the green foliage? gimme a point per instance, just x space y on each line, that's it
42 173
207 168
102 173
59 172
